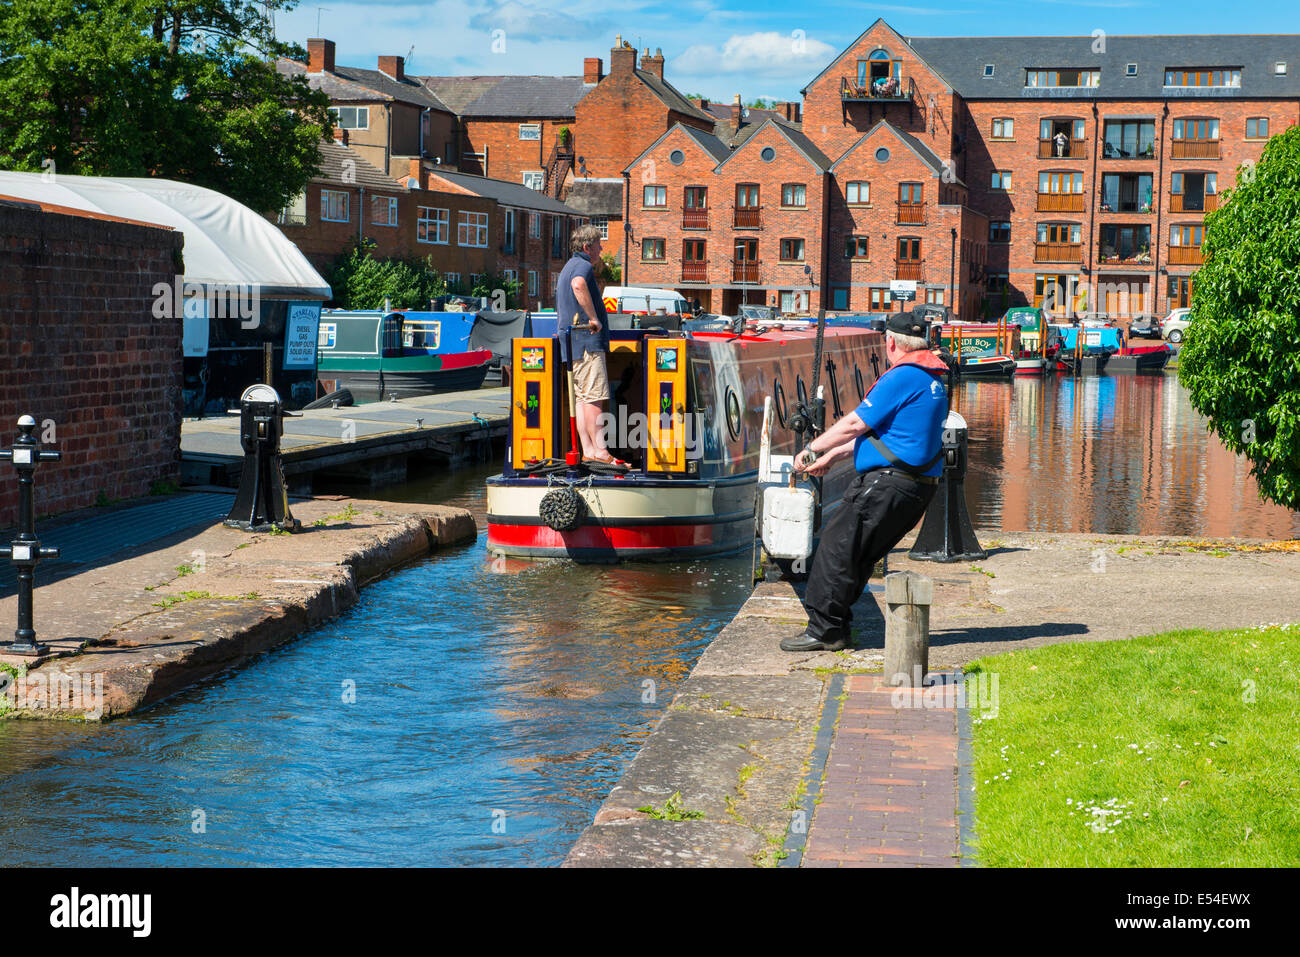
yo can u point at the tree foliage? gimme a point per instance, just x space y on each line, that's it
360 281
1241 360
180 89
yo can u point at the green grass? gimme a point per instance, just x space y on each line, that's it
1174 750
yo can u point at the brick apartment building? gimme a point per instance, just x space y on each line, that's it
992 172
466 225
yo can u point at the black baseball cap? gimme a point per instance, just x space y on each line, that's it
907 324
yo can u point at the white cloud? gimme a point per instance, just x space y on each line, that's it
768 53
533 21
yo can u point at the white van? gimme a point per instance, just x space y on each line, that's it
642 300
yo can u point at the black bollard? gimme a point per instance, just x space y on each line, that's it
26 550
262 502
946 531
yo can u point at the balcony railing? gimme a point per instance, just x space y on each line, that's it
1107 257
912 213
1058 252
909 269
1182 203
745 272
748 217
697 271
1060 202
1074 149
695 219
890 88
1195 149
1184 255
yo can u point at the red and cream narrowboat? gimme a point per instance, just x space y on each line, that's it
686 413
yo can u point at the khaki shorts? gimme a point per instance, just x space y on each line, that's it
590 381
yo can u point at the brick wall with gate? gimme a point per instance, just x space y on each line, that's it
82 352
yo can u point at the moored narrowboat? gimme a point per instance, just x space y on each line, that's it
686 413
378 356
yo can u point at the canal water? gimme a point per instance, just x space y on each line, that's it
475 712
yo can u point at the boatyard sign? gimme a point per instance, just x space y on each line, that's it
301 334
904 290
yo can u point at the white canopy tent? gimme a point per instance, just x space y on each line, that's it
225 241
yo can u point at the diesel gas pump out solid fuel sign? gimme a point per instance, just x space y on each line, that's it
301 334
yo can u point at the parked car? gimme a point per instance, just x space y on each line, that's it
1175 325
643 300
1144 327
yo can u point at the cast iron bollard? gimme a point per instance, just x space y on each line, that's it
262 502
946 531
26 550
907 628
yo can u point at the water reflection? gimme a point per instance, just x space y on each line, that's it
1108 454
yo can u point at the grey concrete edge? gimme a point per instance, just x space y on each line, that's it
796 840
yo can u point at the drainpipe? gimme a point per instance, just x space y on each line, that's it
424 113
361 215
952 274
1095 192
627 227
1157 196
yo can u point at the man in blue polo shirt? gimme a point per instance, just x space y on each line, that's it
895 437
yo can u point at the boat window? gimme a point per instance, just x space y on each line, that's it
733 413
857 378
778 400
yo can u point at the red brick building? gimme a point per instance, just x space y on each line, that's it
1068 171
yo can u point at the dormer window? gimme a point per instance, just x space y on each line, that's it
1203 76
1062 78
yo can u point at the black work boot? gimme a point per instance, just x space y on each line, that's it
807 642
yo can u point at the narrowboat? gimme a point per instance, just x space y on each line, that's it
980 348
1089 346
378 355
1038 347
686 413
1140 359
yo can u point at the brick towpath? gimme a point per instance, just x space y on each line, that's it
889 798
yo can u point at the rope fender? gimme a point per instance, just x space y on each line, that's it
562 508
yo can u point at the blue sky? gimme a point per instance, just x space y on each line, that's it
758 48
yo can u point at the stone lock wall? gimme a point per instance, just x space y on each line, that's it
82 352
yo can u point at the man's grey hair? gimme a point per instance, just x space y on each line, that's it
907 343
583 237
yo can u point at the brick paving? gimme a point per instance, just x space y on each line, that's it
890 792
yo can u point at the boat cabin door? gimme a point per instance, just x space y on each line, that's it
665 404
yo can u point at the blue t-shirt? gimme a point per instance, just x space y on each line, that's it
905 409
576 340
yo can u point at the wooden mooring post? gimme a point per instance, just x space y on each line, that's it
907 628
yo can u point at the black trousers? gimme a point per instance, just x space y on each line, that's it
879 508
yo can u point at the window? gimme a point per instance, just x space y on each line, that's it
534 179
839 298
351 117
1180 292
881 301
472 230
677 157
534 287
997 284
1128 138
1001 180
934 296
693 251
1126 193
383 210
988 70
909 194
768 154
431 225
856 247
334 206
1003 128
557 238
1125 243
1185 235
655 196
857 193
453 281
652 250
1058 232
1203 76
695 197
909 249
510 275
1060 182
793 194
508 234
792 250
792 302
535 225
747 196
1130 69
1257 128
999 232
530 131
601 223
1279 68
295 214
1192 190
1070 78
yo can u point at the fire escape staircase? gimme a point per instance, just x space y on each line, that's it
557 168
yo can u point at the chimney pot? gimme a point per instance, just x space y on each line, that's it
653 64
622 59
320 56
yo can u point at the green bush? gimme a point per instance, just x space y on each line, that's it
1241 360
360 281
